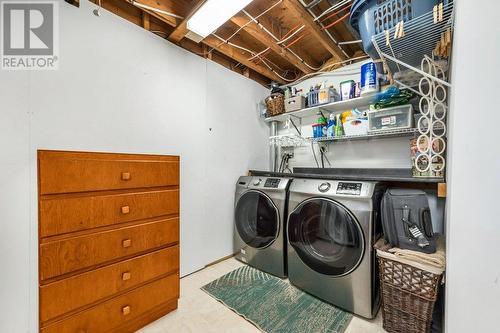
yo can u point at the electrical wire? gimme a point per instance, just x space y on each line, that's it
323 155
328 73
296 40
154 9
314 153
290 36
336 22
246 24
332 8
336 13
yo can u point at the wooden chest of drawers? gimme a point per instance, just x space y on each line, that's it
108 240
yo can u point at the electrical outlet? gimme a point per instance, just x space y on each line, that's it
288 151
323 145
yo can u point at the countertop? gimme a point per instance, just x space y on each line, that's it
388 175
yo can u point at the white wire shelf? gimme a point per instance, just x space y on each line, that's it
341 106
287 140
377 135
421 35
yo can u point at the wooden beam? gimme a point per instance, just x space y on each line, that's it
181 30
442 190
162 5
301 13
145 21
241 57
258 33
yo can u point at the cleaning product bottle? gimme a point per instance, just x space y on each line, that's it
330 127
323 123
339 130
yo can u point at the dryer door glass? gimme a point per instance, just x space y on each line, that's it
257 219
326 236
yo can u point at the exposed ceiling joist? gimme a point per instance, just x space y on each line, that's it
181 30
146 24
258 33
160 5
301 13
240 57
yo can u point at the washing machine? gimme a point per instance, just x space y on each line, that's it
332 227
259 223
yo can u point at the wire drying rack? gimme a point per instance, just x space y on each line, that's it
403 51
288 140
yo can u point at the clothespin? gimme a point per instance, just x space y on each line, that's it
387 38
435 14
440 12
399 32
396 31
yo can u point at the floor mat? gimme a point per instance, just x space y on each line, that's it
273 305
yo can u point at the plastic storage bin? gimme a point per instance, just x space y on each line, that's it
371 17
397 117
322 96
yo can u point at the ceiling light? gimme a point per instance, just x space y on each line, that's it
213 14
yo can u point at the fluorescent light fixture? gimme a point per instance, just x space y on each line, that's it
213 14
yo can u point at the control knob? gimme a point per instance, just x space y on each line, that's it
324 187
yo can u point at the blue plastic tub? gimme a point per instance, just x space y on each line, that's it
371 17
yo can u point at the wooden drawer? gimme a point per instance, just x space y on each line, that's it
70 254
110 315
68 172
75 292
63 215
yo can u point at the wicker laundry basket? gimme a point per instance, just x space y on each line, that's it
275 104
408 295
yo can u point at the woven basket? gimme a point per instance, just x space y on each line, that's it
408 296
275 104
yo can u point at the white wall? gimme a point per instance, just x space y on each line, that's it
473 222
122 89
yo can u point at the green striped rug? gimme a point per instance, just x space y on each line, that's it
273 305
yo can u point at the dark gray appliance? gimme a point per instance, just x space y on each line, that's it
259 221
332 227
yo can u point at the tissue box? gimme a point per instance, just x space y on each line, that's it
356 126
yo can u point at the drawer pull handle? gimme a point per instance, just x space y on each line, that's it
125 175
126 276
126 310
127 243
125 209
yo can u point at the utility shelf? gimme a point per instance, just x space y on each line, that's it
340 106
383 134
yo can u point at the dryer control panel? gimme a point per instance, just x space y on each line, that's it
272 182
349 188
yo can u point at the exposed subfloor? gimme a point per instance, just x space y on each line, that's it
198 312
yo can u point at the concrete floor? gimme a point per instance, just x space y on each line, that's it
198 312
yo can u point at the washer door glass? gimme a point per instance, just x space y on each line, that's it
326 236
257 219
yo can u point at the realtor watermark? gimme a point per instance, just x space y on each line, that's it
30 35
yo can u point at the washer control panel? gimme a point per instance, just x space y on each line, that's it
349 188
272 182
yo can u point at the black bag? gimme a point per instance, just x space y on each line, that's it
406 220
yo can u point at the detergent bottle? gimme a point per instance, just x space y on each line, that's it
330 127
